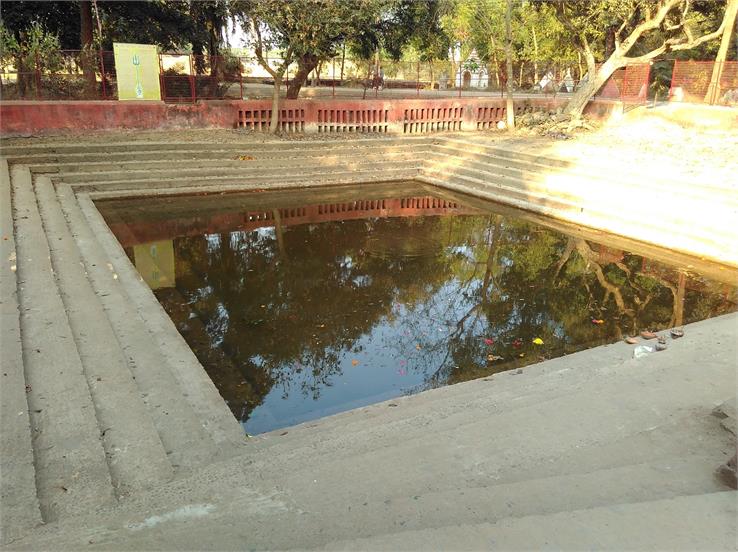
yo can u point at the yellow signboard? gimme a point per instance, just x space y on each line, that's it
155 263
137 69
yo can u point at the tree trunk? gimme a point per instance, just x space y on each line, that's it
274 122
595 81
496 66
305 65
343 60
510 108
318 71
86 42
535 56
713 91
520 77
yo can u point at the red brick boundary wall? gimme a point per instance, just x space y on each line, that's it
319 116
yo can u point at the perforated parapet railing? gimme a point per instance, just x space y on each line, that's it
290 120
353 120
433 119
382 116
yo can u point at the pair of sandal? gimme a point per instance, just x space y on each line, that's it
675 333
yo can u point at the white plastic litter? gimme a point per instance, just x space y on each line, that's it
642 350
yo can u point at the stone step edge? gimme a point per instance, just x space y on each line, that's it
604 223
196 386
271 170
576 170
186 438
307 178
134 451
66 431
19 505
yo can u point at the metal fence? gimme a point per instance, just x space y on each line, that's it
63 75
691 82
91 75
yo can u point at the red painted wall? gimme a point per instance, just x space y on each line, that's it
30 117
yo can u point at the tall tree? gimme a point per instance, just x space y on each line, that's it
313 29
510 108
651 28
262 41
731 12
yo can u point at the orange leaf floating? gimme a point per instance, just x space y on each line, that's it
597 321
354 362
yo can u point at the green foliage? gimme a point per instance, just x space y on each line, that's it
36 45
313 27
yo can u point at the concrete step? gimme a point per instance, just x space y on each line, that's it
216 163
294 178
185 440
657 480
135 454
72 474
317 513
683 211
283 185
153 151
19 508
697 522
265 145
154 344
506 162
318 165
595 165
714 245
621 429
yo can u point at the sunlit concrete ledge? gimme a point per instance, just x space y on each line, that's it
571 429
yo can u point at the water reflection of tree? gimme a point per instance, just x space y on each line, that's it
276 314
281 309
538 283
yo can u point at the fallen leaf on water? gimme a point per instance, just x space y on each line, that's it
597 321
418 347
245 158
354 362
537 341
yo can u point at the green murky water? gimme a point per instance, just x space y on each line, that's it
303 304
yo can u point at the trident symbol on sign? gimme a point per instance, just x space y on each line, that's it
139 89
